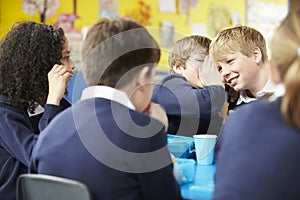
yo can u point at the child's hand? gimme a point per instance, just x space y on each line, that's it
193 79
58 78
156 112
209 73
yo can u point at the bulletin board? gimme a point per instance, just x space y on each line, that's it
265 16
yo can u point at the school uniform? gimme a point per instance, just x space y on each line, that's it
276 90
190 110
105 143
35 118
244 98
17 138
259 155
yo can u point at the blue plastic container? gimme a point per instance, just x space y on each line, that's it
181 146
184 170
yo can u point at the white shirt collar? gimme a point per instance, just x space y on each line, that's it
244 98
107 93
38 110
279 92
270 87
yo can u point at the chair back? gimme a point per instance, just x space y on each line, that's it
46 187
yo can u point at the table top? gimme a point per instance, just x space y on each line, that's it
203 186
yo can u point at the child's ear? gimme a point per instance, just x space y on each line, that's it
141 77
257 55
178 69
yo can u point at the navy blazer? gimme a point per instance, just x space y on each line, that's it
190 110
117 152
258 155
18 134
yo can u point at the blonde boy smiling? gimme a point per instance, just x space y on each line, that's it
240 54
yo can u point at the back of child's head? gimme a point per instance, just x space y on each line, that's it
114 50
285 56
185 47
241 39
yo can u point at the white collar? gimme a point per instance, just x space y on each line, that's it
107 93
38 110
270 87
279 92
244 98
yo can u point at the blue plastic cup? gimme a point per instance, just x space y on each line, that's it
204 147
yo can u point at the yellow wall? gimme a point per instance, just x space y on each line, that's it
11 11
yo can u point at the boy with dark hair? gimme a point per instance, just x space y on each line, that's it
108 140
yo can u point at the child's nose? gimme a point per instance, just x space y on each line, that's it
225 71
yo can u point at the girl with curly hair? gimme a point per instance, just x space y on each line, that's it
35 69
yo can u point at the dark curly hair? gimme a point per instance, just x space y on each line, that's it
27 53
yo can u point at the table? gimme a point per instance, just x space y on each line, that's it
203 186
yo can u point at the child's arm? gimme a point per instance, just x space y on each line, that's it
17 138
58 78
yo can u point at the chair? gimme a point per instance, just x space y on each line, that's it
46 187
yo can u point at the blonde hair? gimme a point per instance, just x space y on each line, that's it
237 39
184 47
285 48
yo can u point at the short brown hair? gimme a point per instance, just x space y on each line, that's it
184 47
113 48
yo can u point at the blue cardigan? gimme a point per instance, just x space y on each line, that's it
17 138
117 152
259 155
190 111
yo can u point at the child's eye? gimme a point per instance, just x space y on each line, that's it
219 68
200 60
230 61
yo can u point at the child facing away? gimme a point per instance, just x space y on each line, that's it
259 157
240 55
106 140
35 69
192 106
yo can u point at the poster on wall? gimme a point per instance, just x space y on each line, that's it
167 6
45 8
219 18
260 15
167 34
198 29
108 8
185 5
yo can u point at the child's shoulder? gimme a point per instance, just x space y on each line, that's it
172 77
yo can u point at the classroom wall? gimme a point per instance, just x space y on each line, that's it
87 10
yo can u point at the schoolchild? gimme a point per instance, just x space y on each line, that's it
259 156
115 140
192 105
35 68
